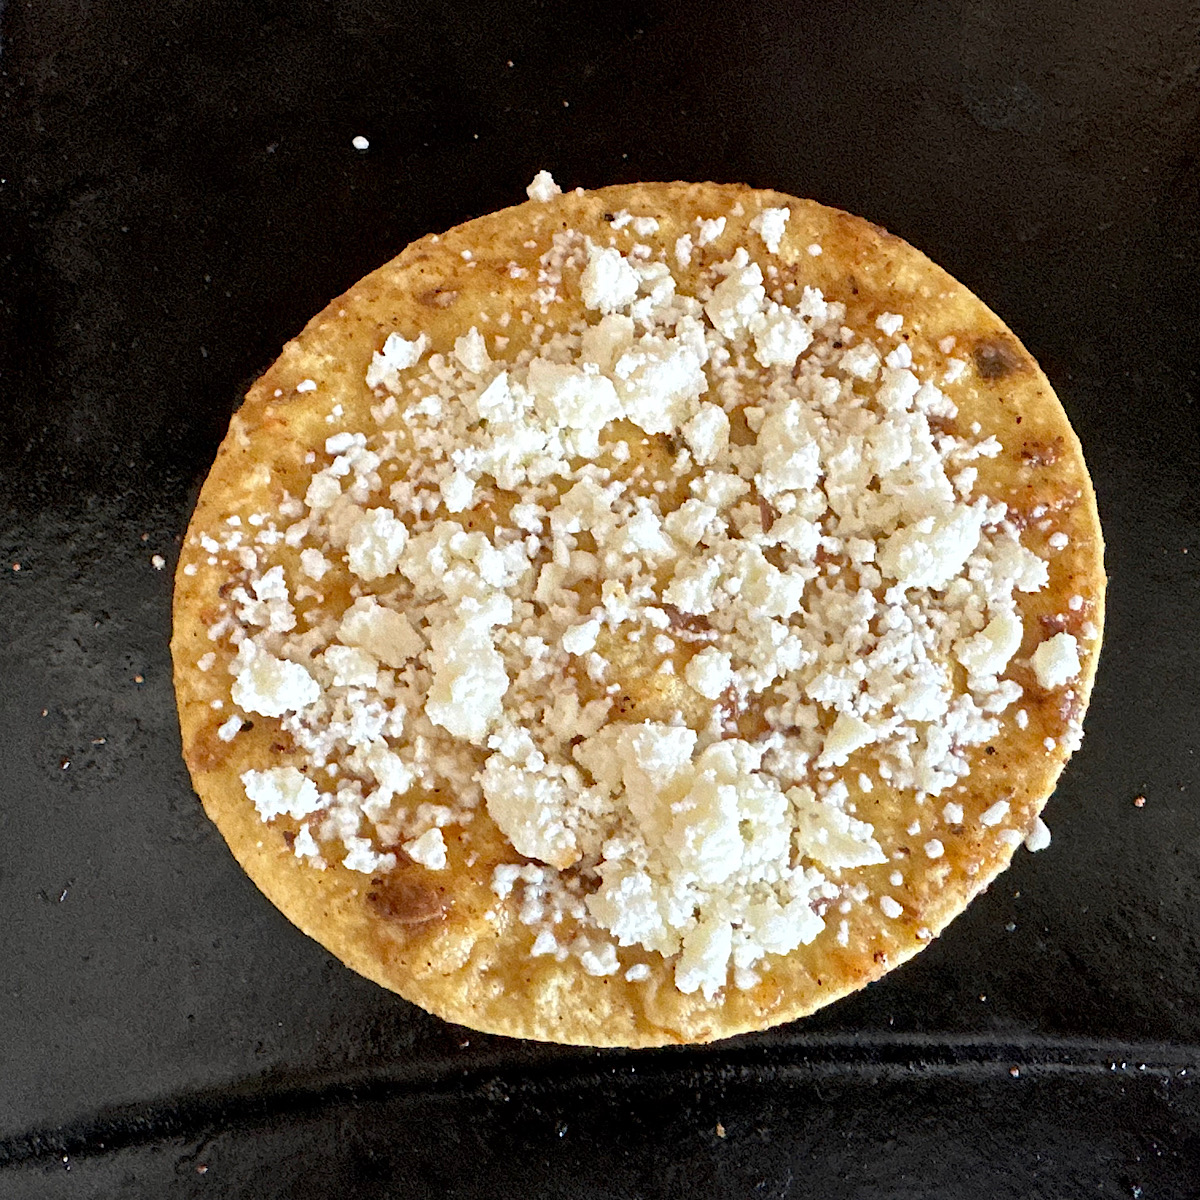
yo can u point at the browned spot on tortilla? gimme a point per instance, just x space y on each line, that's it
406 901
883 233
438 297
206 751
1042 454
998 356
767 513
1070 707
686 622
1053 622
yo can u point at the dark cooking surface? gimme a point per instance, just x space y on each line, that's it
179 195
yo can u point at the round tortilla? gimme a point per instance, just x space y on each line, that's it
443 939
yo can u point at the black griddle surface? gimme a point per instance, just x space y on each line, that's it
178 194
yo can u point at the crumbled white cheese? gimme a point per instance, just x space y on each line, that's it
458 491
351 667
708 230
530 807
931 551
387 635
737 299
707 433
429 850
397 355
780 337
1056 661
271 686
709 672
1038 837
361 857
989 651
469 680
377 539
609 283
847 735
229 729
280 792
704 963
659 381
543 188
770 225
470 350
580 639
313 563
995 814
831 836
571 397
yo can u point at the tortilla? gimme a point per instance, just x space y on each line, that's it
451 938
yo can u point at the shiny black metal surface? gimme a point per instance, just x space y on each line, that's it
178 194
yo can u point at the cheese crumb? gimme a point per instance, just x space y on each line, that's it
989 651
429 850
770 225
995 814
397 355
469 681
387 635
848 734
280 792
543 188
1038 837
361 857
272 686
580 639
609 283
709 230
709 672
229 729
1056 661
376 542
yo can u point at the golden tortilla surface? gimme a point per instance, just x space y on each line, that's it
425 934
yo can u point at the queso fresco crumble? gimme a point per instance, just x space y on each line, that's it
814 573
